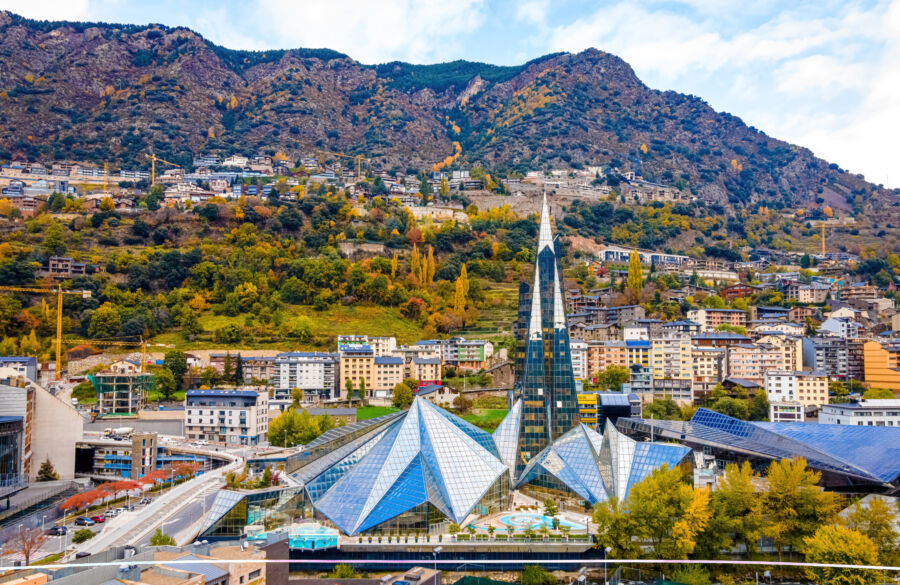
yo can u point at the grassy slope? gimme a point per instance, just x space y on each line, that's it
367 412
486 419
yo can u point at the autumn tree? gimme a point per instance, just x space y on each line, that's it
462 291
402 396
796 505
634 284
875 519
429 267
415 264
106 321
736 515
840 546
26 542
54 242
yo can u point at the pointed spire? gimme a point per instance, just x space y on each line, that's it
545 236
534 326
559 311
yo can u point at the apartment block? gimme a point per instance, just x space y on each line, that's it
710 319
388 371
807 388
316 373
883 412
707 368
882 364
237 417
579 349
671 356
426 370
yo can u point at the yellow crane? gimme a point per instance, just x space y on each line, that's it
59 292
153 158
357 157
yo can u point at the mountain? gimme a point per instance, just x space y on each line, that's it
103 92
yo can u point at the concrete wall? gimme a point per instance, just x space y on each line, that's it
57 427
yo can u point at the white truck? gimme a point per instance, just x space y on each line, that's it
122 432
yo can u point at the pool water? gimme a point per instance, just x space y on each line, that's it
524 521
312 537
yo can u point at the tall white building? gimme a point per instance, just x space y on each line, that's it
315 373
578 349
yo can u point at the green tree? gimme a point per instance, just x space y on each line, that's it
635 280
795 504
613 377
296 397
402 396
190 323
105 322
160 538
840 546
348 386
228 366
878 393
759 407
731 407
209 376
691 575
362 388
551 510
343 571
876 520
82 535
238 370
176 362
537 575
47 472
164 383
54 242
662 408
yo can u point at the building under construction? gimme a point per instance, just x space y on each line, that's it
120 392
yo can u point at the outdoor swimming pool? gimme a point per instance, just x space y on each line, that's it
524 521
312 537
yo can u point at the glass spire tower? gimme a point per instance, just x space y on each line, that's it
544 380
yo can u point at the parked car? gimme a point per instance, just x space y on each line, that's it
145 501
112 513
55 531
99 518
84 521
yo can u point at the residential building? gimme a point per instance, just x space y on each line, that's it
27 367
603 354
357 364
752 361
737 291
809 293
621 315
882 364
671 356
799 314
63 267
316 373
426 370
237 417
719 339
807 388
621 255
638 353
858 290
473 354
841 327
767 326
829 355
598 408
579 349
711 319
589 332
863 412
771 312
387 372
707 368
786 412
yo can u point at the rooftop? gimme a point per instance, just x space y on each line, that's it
223 393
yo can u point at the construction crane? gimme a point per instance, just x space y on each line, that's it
109 342
358 158
59 292
153 158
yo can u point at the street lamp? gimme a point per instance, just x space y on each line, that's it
44 517
605 552
436 551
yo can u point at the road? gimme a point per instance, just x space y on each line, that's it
184 518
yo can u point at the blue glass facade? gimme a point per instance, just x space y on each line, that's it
545 382
848 456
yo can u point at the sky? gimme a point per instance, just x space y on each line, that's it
823 74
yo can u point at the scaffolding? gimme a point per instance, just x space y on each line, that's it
121 394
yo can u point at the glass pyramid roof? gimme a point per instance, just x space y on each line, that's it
428 456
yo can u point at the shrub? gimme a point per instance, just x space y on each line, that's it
82 535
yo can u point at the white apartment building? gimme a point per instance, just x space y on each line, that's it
807 388
786 412
883 412
707 368
236 417
578 349
313 372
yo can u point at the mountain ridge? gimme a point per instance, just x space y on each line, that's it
110 92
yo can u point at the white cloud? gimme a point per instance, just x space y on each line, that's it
375 32
48 9
533 11
825 80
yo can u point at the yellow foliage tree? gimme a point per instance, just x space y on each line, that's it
415 264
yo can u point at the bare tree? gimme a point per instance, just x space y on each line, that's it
27 542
